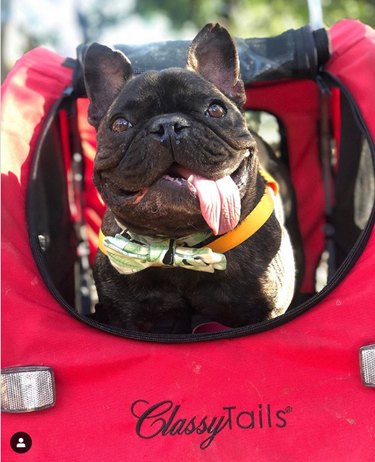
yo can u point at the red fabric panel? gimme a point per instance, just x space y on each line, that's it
298 385
353 63
336 118
296 105
94 206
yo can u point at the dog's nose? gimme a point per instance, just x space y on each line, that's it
169 127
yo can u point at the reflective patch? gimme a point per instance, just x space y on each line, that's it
27 389
367 363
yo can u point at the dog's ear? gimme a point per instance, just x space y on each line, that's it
213 54
105 73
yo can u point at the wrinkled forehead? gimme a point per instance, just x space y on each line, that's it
171 89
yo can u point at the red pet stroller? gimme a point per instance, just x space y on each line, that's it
293 388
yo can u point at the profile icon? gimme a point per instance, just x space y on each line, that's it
21 442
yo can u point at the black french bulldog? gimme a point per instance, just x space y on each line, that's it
176 164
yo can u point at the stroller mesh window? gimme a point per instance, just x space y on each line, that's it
364 189
267 127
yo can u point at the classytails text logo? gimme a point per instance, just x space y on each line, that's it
169 419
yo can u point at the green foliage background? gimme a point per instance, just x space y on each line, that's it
249 18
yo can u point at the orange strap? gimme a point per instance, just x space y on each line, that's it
252 223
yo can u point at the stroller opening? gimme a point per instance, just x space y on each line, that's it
320 129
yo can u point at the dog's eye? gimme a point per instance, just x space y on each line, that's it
120 125
216 110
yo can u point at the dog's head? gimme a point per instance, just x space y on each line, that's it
174 154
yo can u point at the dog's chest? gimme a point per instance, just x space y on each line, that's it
279 279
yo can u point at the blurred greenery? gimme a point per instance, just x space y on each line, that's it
255 17
94 17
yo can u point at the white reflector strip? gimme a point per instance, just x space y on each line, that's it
27 389
367 361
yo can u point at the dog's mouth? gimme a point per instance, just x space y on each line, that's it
219 200
175 177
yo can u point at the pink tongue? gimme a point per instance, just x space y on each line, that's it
220 202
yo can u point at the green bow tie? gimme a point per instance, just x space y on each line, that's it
128 254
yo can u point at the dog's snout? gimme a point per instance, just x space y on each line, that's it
169 127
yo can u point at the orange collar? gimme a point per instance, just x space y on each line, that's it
252 223
247 228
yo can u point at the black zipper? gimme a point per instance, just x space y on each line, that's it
342 271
